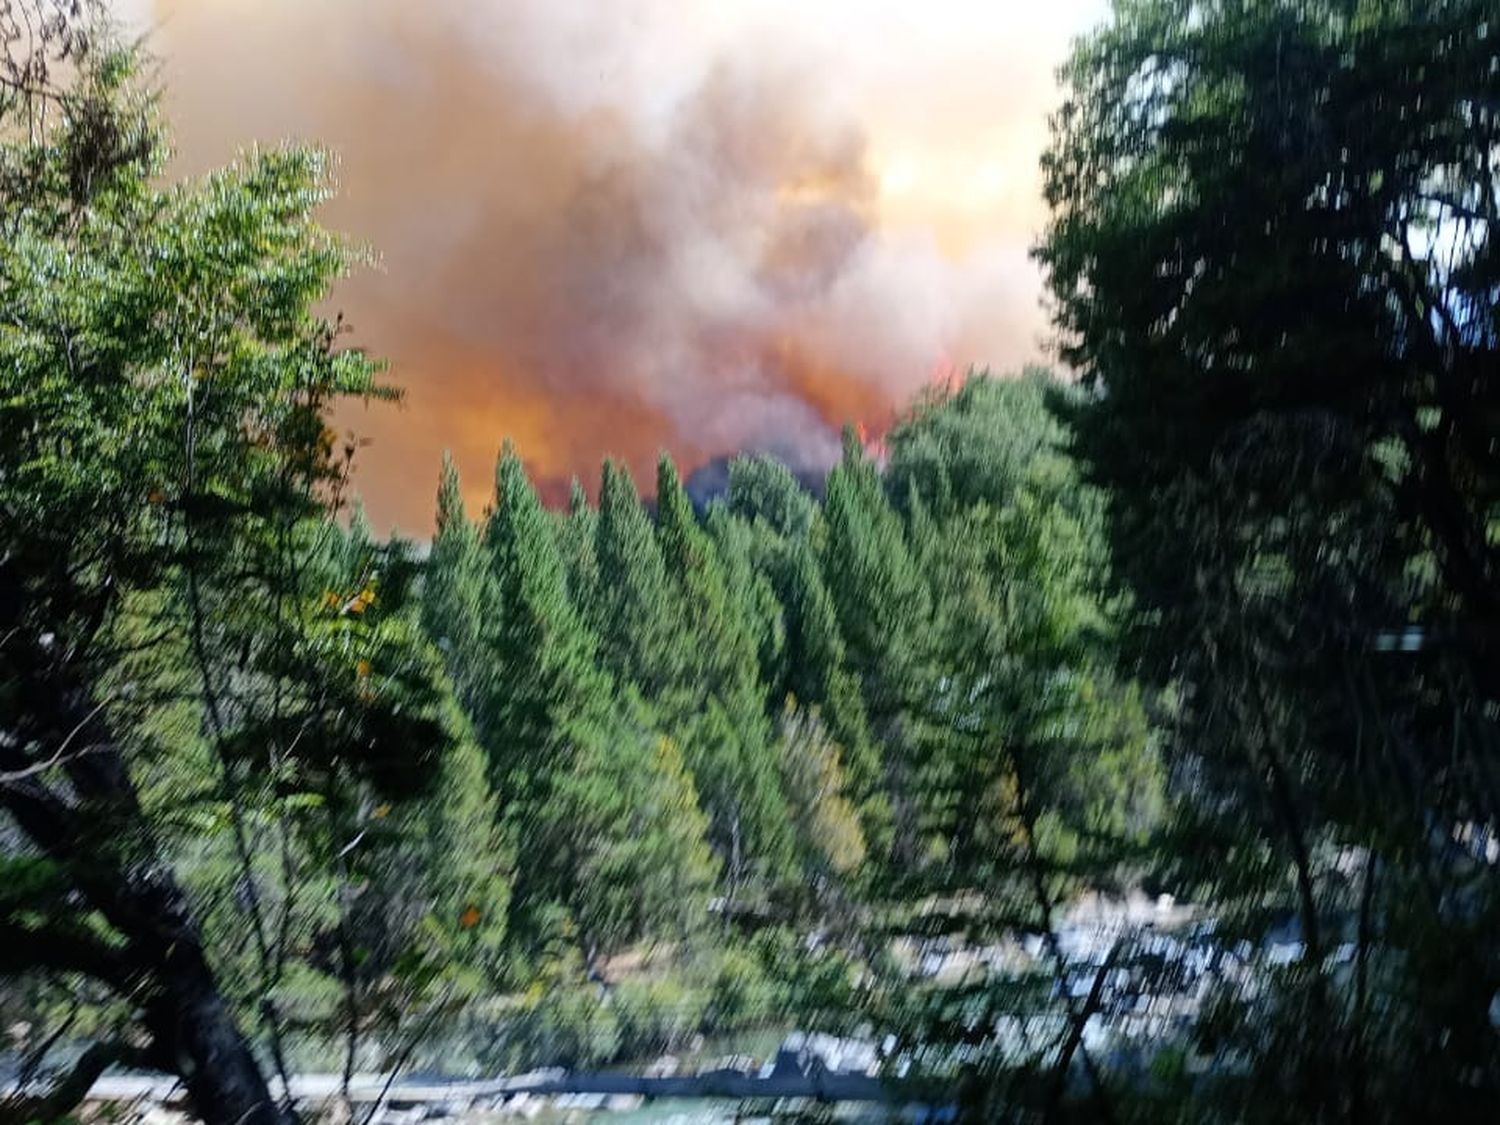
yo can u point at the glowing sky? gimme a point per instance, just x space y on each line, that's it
611 228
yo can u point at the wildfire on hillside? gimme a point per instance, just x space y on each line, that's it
602 236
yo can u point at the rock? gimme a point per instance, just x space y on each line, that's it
664 1067
525 1105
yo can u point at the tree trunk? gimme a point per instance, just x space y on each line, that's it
191 1022
100 836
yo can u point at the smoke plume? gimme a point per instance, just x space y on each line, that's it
617 228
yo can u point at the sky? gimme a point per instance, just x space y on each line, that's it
608 229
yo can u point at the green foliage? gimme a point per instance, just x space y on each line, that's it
762 488
638 615
1272 256
455 594
647 687
202 677
619 777
725 731
603 815
977 444
813 775
580 554
883 613
629 821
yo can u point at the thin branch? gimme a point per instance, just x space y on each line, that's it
61 754
407 1050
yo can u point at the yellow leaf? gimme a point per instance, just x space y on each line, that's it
380 812
470 917
362 669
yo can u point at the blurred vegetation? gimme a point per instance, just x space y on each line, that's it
1215 620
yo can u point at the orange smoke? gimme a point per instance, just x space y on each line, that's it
604 234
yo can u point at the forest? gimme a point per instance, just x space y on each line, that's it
1205 615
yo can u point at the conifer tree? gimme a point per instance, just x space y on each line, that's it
763 488
594 801
878 592
829 829
577 534
818 676
628 819
882 606
744 548
455 596
543 672
727 738
638 613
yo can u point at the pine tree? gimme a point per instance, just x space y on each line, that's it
829 827
593 803
728 744
638 613
629 819
818 676
455 589
884 617
762 488
744 548
577 534
543 670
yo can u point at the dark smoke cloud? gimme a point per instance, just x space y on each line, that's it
599 233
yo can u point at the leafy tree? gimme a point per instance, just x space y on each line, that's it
165 469
419 889
1273 263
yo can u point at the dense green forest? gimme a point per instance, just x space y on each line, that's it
1212 614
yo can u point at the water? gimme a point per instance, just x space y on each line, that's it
695 1111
